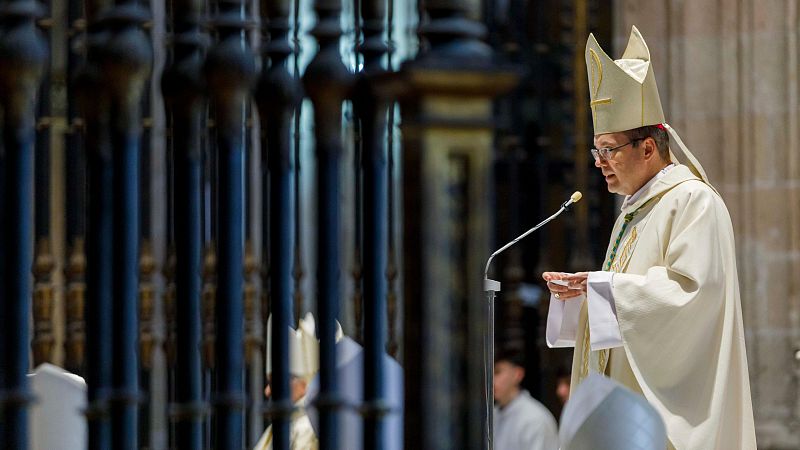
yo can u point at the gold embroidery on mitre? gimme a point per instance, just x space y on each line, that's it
597 65
600 101
642 94
608 114
597 79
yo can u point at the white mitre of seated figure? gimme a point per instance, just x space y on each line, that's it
604 415
57 419
303 348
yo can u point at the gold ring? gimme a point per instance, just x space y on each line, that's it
555 295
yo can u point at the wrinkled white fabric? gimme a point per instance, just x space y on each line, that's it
525 424
301 433
603 325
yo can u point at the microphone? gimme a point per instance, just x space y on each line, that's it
574 198
494 285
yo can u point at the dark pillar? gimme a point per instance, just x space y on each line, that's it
392 344
278 95
44 262
327 82
127 58
75 169
182 85
230 69
23 53
371 110
94 103
147 264
298 272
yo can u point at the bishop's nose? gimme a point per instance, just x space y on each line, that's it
599 162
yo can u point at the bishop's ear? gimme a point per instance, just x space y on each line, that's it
650 148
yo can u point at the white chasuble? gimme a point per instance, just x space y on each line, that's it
676 299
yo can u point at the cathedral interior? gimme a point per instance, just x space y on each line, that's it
175 172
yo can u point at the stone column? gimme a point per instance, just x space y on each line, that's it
447 161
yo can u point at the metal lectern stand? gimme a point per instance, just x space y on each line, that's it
492 287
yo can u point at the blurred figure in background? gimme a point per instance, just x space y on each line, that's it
303 365
520 422
562 386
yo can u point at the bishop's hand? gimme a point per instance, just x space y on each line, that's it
564 286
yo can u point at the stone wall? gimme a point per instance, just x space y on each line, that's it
728 76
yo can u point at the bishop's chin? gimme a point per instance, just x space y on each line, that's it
613 183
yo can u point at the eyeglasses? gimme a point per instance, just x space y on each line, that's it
603 154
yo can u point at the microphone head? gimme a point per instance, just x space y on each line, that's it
576 196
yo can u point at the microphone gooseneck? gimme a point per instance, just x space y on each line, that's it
574 198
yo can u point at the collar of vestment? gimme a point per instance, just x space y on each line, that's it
630 199
672 178
300 407
516 401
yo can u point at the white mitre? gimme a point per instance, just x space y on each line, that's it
57 419
624 95
303 348
604 415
